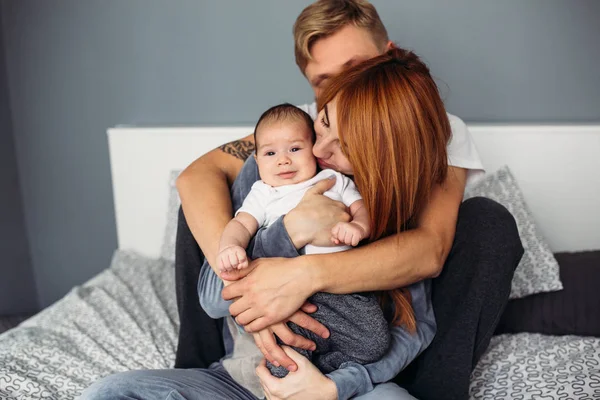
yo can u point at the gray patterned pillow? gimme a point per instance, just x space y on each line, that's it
538 270
167 251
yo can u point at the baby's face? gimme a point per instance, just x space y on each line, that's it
284 154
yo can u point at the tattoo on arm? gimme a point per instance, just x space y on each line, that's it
240 149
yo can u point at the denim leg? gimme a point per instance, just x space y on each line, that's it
386 391
168 384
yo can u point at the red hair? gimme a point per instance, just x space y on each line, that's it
394 130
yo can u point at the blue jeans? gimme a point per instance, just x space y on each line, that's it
213 383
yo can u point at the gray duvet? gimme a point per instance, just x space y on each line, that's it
126 318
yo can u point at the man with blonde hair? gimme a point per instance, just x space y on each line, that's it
470 250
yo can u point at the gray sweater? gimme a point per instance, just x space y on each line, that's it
352 379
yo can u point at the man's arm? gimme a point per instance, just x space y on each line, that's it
395 261
204 185
400 259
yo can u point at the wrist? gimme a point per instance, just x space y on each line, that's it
227 246
363 229
314 275
296 236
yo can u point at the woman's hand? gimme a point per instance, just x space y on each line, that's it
266 342
272 290
311 221
305 383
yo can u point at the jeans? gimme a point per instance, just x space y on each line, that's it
213 383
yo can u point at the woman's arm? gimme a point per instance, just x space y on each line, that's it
276 288
209 293
353 379
306 383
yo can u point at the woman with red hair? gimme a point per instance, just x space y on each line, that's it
393 133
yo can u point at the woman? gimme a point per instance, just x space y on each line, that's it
390 128
396 153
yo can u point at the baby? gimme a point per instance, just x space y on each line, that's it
287 168
284 138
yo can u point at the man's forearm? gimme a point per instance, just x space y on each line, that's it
199 192
204 192
397 260
389 263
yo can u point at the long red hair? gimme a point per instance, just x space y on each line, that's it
394 130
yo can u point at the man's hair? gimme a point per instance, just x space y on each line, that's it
325 17
284 112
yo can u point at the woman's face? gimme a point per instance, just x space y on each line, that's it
327 146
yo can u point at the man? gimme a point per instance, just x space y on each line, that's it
470 249
470 290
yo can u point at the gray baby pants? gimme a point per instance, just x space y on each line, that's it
358 330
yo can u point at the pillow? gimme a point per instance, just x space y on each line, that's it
538 270
572 311
167 250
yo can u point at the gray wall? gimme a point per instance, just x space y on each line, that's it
78 67
17 286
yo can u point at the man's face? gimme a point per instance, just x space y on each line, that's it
348 46
330 55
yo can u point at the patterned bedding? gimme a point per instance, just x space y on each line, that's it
126 318
534 366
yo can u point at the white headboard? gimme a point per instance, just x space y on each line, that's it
556 166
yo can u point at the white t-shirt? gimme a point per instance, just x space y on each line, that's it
462 152
267 203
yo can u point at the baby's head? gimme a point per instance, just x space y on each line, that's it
284 137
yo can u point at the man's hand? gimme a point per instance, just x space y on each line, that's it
266 342
305 383
312 219
272 290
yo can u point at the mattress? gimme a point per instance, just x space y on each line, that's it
126 318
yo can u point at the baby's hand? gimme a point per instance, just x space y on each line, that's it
347 233
232 257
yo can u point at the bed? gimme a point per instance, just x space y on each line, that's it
126 317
